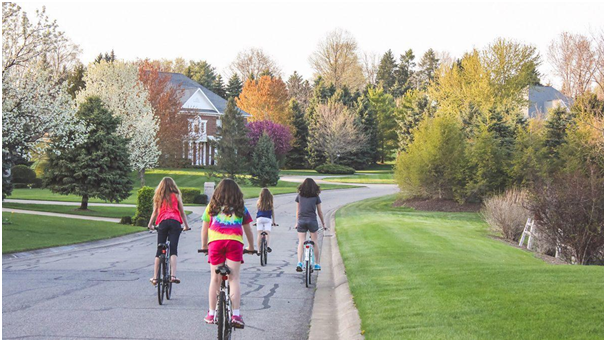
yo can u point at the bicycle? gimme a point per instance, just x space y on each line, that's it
309 259
223 308
164 284
263 246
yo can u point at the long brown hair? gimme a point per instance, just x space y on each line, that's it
266 200
227 198
163 193
309 188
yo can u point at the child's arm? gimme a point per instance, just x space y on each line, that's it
182 211
321 215
273 217
249 236
153 216
204 234
297 215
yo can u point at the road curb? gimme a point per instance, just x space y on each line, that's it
334 315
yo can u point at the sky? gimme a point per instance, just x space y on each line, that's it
289 31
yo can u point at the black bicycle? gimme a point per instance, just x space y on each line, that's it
164 283
223 309
263 246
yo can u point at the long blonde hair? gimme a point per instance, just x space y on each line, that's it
163 193
266 200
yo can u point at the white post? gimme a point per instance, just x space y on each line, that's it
209 189
204 153
531 234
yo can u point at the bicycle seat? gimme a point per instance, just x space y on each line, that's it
263 233
224 270
309 242
162 245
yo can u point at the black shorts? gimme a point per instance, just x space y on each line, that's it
307 226
169 229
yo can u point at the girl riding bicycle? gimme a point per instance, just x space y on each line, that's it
169 215
224 221
265 215
308 201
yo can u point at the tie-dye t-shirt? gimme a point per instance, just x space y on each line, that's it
226 227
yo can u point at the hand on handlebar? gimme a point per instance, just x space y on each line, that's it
275 224
203 250
250 251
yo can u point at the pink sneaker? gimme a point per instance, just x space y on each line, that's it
237 322
210 319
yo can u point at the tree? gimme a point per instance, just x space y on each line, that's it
555 132
108 57
428 65
96 168
166 103
336 60
410 110
232 141
297 156
118 85
234 87
404 74
279 134
367 154
434 164
370 67
219 88
253 62
574 61
335 131
387 136
527 164
264 168
75 80
203 73
265 98
598 76
386 74
299 89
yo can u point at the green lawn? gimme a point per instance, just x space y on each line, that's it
113 212
378 178
427 275
28 232
183 177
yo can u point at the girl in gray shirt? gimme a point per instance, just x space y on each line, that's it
308 201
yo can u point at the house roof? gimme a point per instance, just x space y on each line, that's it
190 87
539 96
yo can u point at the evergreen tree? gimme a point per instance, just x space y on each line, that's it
264 167
98 167
108 57
203 73
75 80
404 74
555 131
387 136
297 157
232 141
234 87
219 87
386 73
428 65
411 109
367 153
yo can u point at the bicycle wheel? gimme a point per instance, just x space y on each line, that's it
307 274
220 316
160 280
262 254
227 322
169 284
265 251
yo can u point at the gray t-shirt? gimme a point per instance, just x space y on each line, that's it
307 207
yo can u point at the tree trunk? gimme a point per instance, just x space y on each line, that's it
84 204
142 177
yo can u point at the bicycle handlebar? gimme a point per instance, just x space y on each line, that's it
246 251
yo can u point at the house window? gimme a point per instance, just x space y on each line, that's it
197 128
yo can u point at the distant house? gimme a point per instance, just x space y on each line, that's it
542 98
204 110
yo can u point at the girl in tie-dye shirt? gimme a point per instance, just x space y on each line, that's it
224 222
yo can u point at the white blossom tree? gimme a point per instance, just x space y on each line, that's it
335 131
117 84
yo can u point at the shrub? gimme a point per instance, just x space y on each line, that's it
145 206
264 168
20 186
201 199
188 194
23 174
335 169
505 213
570 210
37 183
126 220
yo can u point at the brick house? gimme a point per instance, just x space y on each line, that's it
204 110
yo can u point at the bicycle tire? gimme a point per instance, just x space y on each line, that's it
262 253
160 280
307 274
169 284
220 316
228 327
265 251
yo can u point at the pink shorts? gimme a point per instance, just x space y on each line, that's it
219 250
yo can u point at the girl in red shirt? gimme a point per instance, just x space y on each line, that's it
169 215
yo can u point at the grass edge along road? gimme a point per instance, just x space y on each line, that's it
27 232
93 210
430 275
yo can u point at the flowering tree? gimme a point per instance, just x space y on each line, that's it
117 84
279 134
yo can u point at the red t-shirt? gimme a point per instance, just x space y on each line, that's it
169 212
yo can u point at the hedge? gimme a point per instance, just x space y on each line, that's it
335 169
23 174
145 206
189 194
201 199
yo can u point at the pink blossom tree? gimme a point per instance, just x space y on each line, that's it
280 135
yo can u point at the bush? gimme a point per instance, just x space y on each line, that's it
188 194
37 183
506 213
20 186
335 169
201 199
126 220
23 174
145 206
264 168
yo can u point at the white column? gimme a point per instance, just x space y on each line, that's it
204 162
190 153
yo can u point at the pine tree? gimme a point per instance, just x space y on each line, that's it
386 73
264 167
383 104
297 157
232 141
367 153
427 69
97 168
203 73
404 74
555 135
411 109
234 87
219 87
75 80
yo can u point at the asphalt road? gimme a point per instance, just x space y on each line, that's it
102 290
